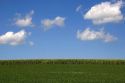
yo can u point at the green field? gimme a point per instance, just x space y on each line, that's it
62 71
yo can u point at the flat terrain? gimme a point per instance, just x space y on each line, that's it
67 72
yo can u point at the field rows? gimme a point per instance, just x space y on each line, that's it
62 61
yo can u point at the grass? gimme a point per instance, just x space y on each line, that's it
68 72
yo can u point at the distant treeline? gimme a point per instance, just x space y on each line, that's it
62 61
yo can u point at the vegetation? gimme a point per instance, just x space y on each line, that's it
62 71
62 61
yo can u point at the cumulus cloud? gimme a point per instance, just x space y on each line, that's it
78 8
105 12
31 43
24 21
89 35
12 38
49 23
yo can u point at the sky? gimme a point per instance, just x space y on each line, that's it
61 29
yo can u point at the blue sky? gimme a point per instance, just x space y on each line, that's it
62 29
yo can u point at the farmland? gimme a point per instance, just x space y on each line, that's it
62 71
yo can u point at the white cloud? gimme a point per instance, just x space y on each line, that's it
89 34
31 43
12 38
78 8
24 21
49 23
105 12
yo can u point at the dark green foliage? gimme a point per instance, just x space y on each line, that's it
62 71
62 61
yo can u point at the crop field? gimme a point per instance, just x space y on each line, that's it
62 71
